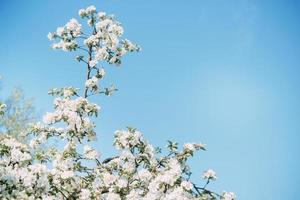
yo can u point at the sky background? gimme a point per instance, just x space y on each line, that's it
222 72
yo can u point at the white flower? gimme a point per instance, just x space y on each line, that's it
66 46
101 72
33 143
82 13
93 63
102 25
122 183
189 147
51 36
19 156
85 194
200 146
68 93
49 118
47 197
93 40
90 22
209 175
113 60
101 14
187 185
67 174
113 196
91 82
90 153
58 45
228 196
90 9
108 178
101 54
144 175
133 195
116 29
74 27
60 31
129 45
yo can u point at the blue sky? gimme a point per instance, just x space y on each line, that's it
225 73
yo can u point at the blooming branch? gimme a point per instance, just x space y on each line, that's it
73 169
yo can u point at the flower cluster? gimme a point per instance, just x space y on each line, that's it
74 169
104 43
209 175
139 172
74 112
67 35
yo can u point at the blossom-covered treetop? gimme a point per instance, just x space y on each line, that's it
74 169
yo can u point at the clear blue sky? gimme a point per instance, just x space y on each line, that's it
225 73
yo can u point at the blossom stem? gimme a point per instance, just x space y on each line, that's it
88 72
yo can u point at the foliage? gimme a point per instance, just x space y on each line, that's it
19 113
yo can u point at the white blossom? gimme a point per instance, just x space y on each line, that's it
187 185
189 147
93 40
228 196
91 82
209 174
101 72
82 12
60 31
91 9
101 14
51 36
93 63
113 196
90 153
85 194
101 54
74 27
